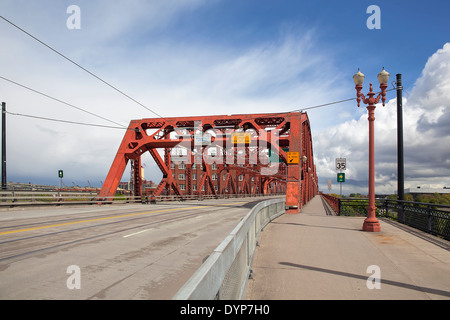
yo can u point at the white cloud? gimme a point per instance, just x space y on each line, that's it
426 117
181 78
173 78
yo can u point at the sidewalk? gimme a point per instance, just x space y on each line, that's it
314 256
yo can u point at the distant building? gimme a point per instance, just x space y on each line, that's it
126 186
189 179
422 190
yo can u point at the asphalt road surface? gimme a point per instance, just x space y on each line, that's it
131 251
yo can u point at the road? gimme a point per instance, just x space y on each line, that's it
131 251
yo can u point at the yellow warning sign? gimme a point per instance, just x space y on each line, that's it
241 137
293 157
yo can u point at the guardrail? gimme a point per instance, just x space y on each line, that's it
358 206
30 198
23 198
224 274
333 202
429 217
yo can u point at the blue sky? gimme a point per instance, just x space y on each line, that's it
192 57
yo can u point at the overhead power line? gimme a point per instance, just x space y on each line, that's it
323 105
142 105
64 121
60 101
122 127
79 66
334 102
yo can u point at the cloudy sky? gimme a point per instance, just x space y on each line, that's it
204 57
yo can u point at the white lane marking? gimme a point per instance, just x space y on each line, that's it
133 234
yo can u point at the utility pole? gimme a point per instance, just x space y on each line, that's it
3 145
400 164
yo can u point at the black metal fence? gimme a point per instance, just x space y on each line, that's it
356 207
429 217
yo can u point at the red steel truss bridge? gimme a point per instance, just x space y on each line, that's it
245 154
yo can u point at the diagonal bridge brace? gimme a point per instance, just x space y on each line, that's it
242 141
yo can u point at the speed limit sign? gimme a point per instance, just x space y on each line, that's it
341 163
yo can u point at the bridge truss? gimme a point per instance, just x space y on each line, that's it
245 153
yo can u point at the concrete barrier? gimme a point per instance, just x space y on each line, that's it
225 273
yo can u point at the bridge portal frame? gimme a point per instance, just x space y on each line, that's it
241 142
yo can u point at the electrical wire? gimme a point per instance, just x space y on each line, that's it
79 66
113 87
322 105
58 100
123 127
335 102
64 121
121 92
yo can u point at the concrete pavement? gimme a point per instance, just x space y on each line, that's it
314 256
131 251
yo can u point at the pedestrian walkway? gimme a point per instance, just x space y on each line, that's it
314 256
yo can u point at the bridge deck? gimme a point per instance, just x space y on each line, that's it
127 252
315 256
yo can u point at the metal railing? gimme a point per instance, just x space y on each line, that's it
16 198
428 217
357 206
224 275
332 201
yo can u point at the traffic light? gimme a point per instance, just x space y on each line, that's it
60 174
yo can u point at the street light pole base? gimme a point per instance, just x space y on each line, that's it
371 226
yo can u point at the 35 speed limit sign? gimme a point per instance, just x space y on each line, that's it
341 163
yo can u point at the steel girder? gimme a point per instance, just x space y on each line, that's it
237 144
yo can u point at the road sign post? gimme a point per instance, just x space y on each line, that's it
293 157
341 177
60 176
4 182
341 164
241 138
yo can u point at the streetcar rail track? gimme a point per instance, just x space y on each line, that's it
179 216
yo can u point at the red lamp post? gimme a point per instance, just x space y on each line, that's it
371 223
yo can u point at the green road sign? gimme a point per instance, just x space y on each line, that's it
60 174
273 157
341 177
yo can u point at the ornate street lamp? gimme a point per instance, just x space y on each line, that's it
371 223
